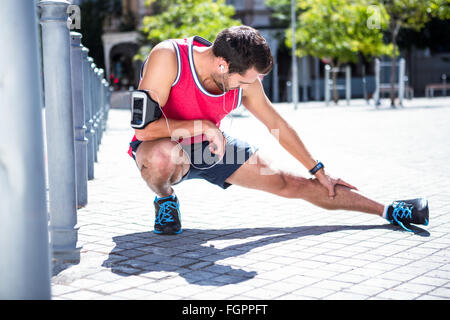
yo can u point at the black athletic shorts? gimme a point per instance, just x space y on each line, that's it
205 165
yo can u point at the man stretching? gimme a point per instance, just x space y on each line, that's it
197 83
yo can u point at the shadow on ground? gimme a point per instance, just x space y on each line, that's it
194 253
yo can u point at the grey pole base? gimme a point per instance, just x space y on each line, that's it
71 256
62 243
81 153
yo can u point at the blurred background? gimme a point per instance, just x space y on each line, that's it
324 50
120 33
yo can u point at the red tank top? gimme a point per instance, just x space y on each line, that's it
188 100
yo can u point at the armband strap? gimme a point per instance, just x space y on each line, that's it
318 166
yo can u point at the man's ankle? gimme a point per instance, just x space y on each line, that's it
165 194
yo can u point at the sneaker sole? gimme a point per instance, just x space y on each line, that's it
167 233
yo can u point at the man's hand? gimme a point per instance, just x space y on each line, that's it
216 139
329 183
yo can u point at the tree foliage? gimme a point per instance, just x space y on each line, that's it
175 19
410 14
336 31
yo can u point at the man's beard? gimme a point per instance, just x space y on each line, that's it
221 83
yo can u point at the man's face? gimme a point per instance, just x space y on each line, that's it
227 81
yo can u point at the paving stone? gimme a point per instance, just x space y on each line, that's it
364 289
82 295
437 282
243 249
314 292
397 295
341 295
414 288
441 292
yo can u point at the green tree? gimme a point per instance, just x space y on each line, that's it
336 31
410 14
182 18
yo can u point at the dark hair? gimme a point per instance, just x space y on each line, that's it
243 48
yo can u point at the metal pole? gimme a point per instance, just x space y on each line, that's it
305 78
24 243
294 58
110 92
108 102
327 84
92 66
316 72
444 82
93 105
79 123
97 108
105 103
88 113
364 82
348 84
376 94
101 99
276 94
96 119
59 128
401 81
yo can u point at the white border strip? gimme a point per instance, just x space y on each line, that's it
178 61
239 98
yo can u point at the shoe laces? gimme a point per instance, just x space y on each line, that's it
165 214
402 210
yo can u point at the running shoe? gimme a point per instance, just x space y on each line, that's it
167 215
406 212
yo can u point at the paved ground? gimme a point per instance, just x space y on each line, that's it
245 244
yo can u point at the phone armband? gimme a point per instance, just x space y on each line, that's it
144 110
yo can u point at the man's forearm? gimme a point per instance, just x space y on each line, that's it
172 128
289 140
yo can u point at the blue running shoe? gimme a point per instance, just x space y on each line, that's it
406 212
167 215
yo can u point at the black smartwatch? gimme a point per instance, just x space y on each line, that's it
317 167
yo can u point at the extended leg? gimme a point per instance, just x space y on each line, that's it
256 174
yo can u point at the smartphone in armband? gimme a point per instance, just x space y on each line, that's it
144 110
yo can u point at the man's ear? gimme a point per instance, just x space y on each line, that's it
223 65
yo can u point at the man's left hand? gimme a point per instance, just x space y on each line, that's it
330 183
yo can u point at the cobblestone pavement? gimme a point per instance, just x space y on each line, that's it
246 244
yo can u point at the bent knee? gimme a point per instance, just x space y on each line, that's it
165 155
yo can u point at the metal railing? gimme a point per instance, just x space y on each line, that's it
33 232
329 83
380 86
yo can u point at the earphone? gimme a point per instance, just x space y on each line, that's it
222 69
178 143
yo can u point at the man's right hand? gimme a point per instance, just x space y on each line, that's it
216 139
